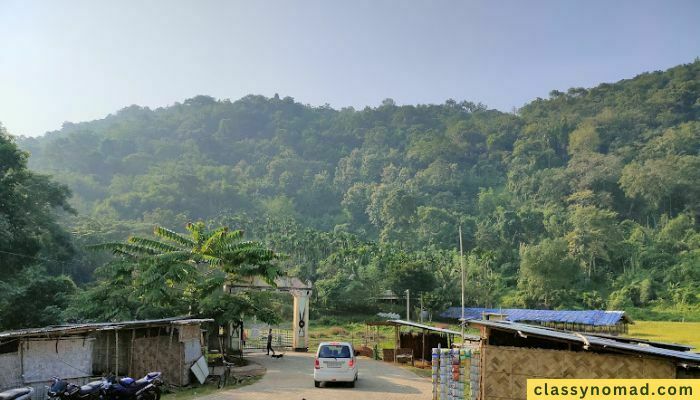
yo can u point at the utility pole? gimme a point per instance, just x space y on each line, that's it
421 308
461 266
408 305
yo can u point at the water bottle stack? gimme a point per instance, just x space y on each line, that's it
436 372
475 362
451 370
444 373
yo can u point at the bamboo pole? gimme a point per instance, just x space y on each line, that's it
116 351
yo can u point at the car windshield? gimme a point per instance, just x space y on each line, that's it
334 351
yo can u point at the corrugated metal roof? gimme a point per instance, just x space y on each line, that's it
100 326
663 345
591 341
432 329
587 317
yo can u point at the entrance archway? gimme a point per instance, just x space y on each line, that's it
300 291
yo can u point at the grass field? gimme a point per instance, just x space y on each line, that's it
674 332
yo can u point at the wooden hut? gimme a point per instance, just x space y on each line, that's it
509 353
417 340
81 352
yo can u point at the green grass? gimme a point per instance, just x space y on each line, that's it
666 312
422 372
352 332
353 329
192 392
675 332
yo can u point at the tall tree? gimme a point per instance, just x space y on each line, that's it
34 248
547 272
175 273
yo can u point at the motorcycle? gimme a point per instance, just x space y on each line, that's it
146 388
64 390
24 393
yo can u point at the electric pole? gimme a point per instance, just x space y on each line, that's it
408 305
421 308
461 266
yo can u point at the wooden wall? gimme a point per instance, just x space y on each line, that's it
505 370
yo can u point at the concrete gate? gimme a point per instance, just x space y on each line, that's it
300 291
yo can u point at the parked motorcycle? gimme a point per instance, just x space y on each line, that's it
24 393
63 390
146 388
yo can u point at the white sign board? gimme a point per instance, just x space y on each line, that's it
200 369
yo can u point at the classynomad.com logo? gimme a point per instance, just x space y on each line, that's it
613 389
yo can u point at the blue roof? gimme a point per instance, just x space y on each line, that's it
587 317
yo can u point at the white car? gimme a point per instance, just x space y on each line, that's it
335 362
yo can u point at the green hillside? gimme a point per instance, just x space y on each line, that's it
587 199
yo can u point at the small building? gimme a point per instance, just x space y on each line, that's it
387 296
509 353
81 352
417 340
610 322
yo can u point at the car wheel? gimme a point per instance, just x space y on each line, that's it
352 384
317 384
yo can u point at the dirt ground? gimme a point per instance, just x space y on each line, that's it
291 377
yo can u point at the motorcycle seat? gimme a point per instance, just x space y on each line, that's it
147 379
141 382
14 393
126 381
91 387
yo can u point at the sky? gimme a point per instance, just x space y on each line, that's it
82 60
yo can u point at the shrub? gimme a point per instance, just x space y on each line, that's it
337 331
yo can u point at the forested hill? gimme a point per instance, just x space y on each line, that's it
603 183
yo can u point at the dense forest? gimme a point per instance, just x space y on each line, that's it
587 199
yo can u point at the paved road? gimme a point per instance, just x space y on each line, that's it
291 377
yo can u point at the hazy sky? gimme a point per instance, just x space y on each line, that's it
81 60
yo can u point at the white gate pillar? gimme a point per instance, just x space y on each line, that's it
300 324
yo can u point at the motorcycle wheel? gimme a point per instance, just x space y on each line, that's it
152 395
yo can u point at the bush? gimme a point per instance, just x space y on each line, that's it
337 331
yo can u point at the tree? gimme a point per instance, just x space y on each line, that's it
28 206
547 272
34 248
324 185
176 273
36 299
594 237
407 274
584 139
669 183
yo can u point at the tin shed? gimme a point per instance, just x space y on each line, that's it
80 352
